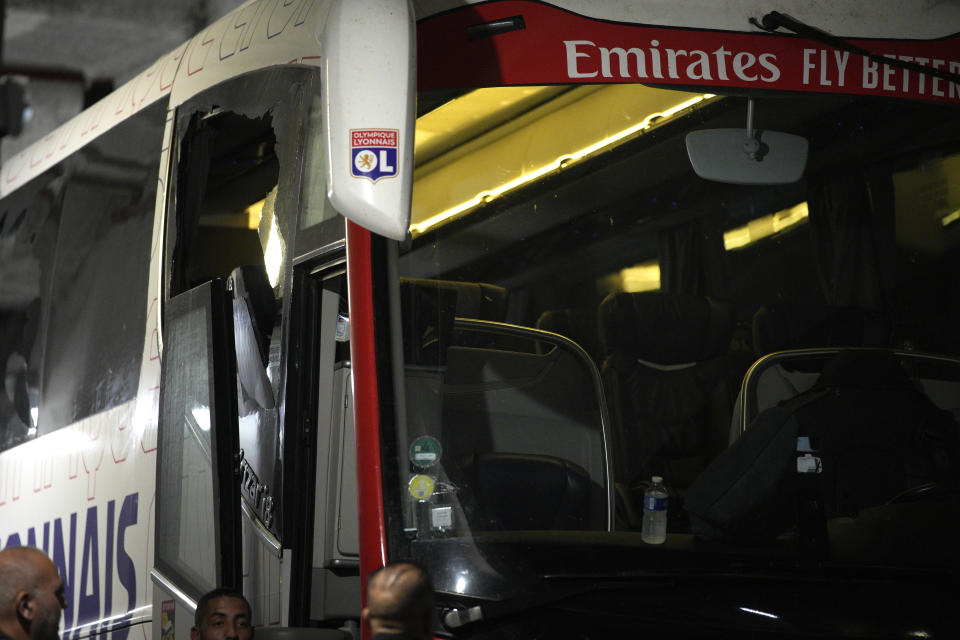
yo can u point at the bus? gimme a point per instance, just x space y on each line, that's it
343 282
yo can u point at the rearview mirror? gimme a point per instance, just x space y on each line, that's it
747 156
724 155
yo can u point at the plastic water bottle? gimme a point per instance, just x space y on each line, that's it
654 528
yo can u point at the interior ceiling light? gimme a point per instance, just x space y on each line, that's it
557 164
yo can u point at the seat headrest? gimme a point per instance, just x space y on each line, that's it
473 299
665 328
579 325
430 308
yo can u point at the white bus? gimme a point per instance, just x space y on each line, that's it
336 283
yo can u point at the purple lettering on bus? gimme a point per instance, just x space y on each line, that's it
126 570
88 605
67 573
108 570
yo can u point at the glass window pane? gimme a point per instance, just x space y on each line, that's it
29 223
99 290
186 532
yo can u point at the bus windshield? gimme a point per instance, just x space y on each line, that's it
580 312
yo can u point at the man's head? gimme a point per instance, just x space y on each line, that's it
400 600
222 614
31 595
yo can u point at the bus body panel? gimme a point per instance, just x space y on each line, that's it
261 33
48 487
84 494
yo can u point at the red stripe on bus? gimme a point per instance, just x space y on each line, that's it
373 542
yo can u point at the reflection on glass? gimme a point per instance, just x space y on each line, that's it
185 479
675 286
270 238
202 416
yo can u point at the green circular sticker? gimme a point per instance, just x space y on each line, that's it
421 487
425 451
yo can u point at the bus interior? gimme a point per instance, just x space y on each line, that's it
694 306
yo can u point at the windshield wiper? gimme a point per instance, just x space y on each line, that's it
775 20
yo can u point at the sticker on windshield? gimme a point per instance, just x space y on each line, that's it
421 487
809 463
425 451
373 153
442 517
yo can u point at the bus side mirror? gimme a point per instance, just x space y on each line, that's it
369 109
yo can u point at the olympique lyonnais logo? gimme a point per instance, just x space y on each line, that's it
373 153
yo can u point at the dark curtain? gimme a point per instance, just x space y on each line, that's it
691 258
854 231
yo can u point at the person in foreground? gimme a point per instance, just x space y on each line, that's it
31 595
400 603
222 614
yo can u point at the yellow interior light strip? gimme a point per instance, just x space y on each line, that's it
765 226
950 218
559 163
641 277
254 213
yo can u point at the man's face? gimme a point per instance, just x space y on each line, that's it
47 602
225 619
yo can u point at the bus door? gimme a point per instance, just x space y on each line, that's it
233 207
197 512
249 210
321 341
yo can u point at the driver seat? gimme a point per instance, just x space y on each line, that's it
861 437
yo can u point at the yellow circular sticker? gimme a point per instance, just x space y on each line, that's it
421 486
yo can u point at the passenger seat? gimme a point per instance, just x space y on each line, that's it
665 381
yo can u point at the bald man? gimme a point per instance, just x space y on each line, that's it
31 595
400 603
